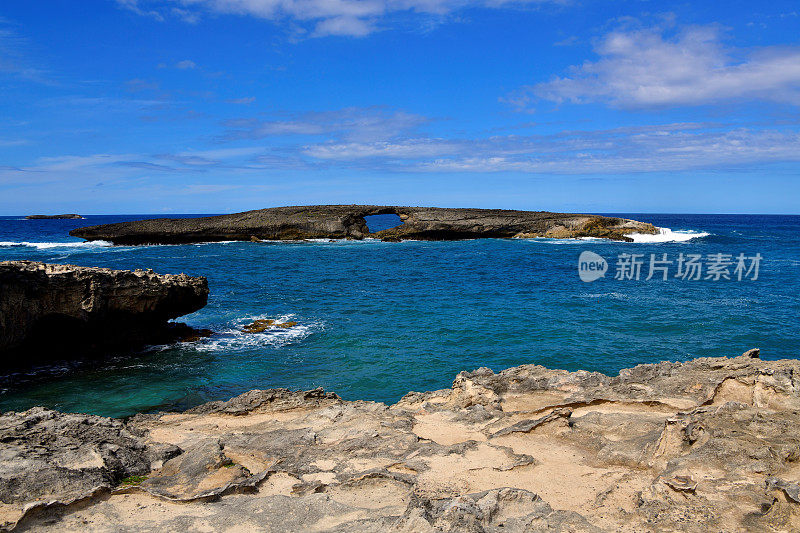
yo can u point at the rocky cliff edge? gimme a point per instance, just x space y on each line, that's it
45 309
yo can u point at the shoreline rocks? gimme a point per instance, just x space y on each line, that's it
347 222
47 310
709 444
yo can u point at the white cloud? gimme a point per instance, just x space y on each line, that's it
223 153
247 100
351 124
186 64
344 25
649 67
13 58
209 188
406 149
658 148
671 147
383 139
5 143
209 158
317 18
74 162
133 5
81 170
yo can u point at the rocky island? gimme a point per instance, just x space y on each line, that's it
48 217
347 222
706 445
46 309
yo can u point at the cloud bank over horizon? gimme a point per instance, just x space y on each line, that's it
220 100
318 18
389 141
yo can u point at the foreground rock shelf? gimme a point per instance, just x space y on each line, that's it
347 222
707 445
48 309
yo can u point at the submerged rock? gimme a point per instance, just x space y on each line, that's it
706 445
263 324
48 309
184 333
347 222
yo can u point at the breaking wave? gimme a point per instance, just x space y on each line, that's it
667 235
230 337
51 245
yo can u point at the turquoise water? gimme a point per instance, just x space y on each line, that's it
379 319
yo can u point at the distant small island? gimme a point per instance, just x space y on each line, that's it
47 217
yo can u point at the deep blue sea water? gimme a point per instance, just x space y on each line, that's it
379 319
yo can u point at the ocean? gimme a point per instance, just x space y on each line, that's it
376 320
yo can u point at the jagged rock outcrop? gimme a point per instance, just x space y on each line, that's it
347 222
46 309
706 445
54 460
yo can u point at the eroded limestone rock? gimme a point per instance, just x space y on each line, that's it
706 445
347 222
49 459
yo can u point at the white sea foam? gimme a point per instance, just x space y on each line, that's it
50 245
667 235
365 240
230 337
609 295
200 243
663 235
571 240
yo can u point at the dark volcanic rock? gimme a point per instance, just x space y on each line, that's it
45 309
347 222
47 217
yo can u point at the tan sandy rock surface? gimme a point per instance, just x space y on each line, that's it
706 445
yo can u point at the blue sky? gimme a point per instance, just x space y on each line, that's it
211 106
